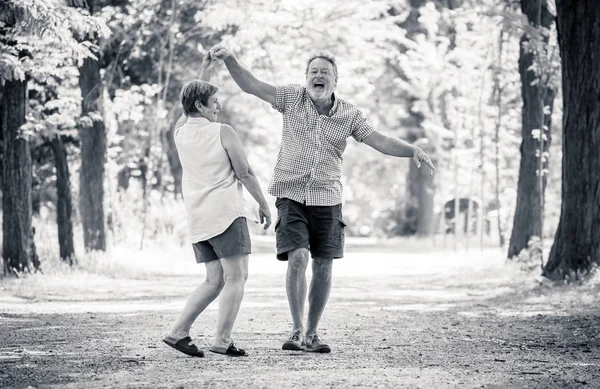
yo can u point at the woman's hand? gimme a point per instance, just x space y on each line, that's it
208 66
264 214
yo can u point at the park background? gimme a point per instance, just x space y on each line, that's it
91 186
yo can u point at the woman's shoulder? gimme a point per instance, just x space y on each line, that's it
229 136
226 130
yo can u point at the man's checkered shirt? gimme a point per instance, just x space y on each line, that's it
309 164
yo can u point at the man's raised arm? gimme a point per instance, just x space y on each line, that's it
243 77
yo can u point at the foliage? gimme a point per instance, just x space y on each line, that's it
43 42
40 36
531 259
416 70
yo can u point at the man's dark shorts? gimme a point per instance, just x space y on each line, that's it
234 241
317 228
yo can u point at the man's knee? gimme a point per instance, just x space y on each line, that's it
298 259
322 266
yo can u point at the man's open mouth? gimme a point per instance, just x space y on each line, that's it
318 85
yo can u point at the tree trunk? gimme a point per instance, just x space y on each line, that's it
123 178
18 246
64 207
577 242
499 91
93 156
421 191
528 212
1 129
173 159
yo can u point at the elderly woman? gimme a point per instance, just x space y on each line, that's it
214 169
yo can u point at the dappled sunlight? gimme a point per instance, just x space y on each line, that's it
160 277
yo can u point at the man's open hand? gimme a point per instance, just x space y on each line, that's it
420 156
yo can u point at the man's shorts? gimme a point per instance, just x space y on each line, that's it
235 240
317 228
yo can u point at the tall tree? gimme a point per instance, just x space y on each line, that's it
64 206
537 94
577 242
93 157
426 103
36 39
54 115
92 132
17 234
421 191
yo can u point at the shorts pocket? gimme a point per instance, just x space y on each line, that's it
342 232
277 223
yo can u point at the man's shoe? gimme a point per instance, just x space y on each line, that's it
294 342
314 344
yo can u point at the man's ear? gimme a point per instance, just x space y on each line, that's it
198 106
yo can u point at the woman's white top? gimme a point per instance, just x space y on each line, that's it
212 194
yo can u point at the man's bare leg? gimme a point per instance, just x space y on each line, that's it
296 292
320 287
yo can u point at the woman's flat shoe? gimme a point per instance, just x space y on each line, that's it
186 346
232 350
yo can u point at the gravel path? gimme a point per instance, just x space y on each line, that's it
394 321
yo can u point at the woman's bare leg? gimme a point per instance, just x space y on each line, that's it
199 300
235 274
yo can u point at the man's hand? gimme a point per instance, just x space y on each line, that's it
264 214
220 52
420 156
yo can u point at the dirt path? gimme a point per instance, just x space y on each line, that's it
394 321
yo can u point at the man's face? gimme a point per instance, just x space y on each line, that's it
320 79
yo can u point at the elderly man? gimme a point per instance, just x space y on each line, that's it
307 180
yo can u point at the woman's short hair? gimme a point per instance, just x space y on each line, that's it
193 91
327 56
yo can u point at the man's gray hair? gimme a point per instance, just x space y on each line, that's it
327 56
193 91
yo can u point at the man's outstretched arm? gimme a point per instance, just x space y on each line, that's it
398 148
243 77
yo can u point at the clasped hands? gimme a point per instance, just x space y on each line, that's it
217 52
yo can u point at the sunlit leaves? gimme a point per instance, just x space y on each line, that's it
41 35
